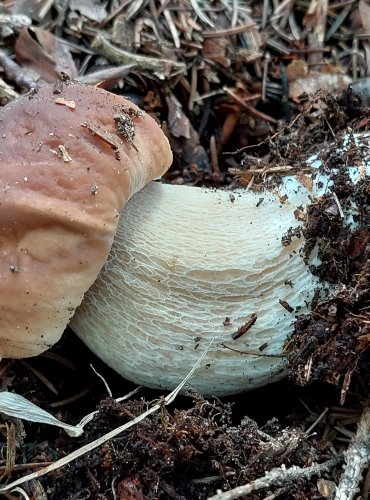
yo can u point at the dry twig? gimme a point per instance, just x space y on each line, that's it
357 458
277 477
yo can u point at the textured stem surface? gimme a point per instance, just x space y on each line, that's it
191 264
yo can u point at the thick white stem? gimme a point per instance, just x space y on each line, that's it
191 264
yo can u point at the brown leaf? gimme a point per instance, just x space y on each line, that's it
296 69
215 50
44 54
178 122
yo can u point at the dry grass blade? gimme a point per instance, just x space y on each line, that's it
219 75
41 377
21 492
71 399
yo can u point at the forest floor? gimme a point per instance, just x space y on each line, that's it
242 89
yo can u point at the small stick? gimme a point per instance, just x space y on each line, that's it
214 157
357 458
116 55
170 24
338 205
277 476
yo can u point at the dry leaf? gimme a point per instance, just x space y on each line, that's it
215 49
44 54
178 122
92 9
296 69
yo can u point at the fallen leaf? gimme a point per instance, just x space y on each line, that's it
92 9
215 49
44 54
296 69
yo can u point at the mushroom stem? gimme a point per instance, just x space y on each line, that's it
189 265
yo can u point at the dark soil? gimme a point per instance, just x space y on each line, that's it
187 450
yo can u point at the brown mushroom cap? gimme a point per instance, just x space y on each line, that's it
69 160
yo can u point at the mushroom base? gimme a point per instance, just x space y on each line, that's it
190 266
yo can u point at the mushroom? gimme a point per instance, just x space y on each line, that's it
71 155
191 270
190 266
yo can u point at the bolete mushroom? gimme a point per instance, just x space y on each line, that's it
71 155
188 265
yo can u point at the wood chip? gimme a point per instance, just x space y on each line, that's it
64 102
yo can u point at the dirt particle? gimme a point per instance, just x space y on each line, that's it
244 328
